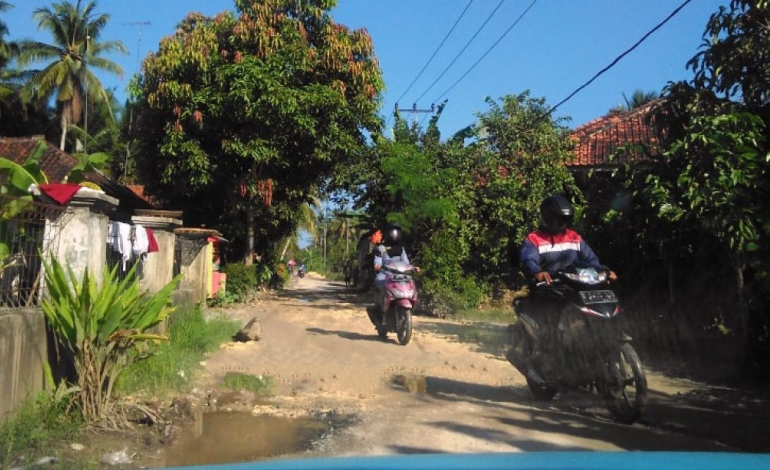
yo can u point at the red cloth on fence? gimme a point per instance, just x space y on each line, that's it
60 192
152 243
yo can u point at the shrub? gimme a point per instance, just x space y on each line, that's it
240 279
98 327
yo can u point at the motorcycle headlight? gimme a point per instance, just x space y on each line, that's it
587 276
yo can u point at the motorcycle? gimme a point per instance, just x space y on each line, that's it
301 272
399 300
585 351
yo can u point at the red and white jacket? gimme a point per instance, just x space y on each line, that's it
542 251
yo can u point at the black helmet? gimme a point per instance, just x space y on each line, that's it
556 214
392 234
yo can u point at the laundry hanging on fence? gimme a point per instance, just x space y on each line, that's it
152 243
140 242
119 239
131 241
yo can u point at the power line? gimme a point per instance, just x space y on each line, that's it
617 59
487 51
435 52
461 52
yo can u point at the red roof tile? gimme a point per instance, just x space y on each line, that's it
57 165
597 140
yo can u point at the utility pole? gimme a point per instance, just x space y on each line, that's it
414 110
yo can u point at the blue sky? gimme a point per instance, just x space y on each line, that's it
556 47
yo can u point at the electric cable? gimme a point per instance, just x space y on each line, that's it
487 51
461 52
435 52
612 64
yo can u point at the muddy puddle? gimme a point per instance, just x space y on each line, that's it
230 437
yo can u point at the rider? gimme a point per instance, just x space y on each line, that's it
390 249
552 247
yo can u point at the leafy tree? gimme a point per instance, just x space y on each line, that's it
735 58
638 98
76 51
704 197
519 159
279 93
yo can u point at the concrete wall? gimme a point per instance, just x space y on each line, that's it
194 262
75 237
23 353
158 269
81 238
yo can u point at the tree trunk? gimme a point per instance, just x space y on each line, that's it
64 125
248 259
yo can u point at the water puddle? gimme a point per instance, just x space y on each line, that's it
230 437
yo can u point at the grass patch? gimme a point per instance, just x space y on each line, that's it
488 315
171 366
34 428
258 384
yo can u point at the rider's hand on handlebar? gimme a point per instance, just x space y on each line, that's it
612 276
417 269
543 276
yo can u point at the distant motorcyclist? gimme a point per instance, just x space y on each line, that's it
390 249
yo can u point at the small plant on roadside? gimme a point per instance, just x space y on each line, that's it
170 367
98 326
259 384
241 279
34 427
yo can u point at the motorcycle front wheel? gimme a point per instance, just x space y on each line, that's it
626 394
403 325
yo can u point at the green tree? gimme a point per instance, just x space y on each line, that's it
519 159
71 59
638 98
279 93
704 196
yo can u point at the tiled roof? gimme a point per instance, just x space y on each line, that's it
57 165
597 140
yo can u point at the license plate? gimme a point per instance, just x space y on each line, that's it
598 296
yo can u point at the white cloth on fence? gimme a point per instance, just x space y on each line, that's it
141 242
119 238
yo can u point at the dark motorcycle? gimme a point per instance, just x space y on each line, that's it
585 350
301 272
399 300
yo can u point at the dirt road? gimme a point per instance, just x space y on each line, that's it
326 358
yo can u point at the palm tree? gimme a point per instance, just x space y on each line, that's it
75 52
7 51
638 98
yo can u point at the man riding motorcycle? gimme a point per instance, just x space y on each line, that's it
390 249
552 247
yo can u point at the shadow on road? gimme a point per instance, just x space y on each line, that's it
583 415
488 338
344 334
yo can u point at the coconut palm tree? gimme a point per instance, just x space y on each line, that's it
7 51
75 52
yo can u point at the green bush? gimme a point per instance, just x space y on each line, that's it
33 428
445 300
170 367
99 326
241 279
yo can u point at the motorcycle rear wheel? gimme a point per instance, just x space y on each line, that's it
627 397
523 343
403 325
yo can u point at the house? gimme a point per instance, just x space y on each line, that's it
597 141
57 164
